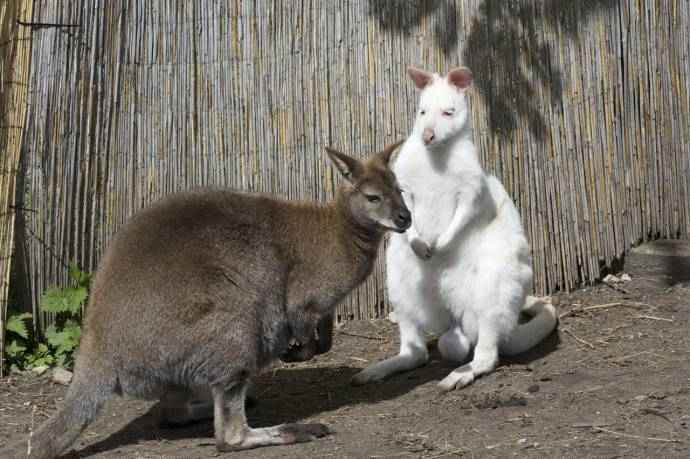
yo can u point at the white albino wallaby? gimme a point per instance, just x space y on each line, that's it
464 267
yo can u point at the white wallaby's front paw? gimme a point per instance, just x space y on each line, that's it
421 248
457 379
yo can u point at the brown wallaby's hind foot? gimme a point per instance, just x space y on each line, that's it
284 434
233 434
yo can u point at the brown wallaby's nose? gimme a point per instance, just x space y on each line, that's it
403 220
428 136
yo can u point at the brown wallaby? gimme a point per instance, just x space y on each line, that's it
199 292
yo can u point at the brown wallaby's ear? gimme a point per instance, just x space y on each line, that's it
460 77
348 166
421 78
387 152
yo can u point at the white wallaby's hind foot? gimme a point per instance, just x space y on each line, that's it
413 354
543 321
381 370
484 361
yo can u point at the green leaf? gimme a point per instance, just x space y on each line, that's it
51 335
80 277
66 340
64 360
42 349
15 349
74 272
68 299
17 325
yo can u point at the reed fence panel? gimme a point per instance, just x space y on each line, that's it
14 71
580 108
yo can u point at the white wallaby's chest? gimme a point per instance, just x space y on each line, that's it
431 188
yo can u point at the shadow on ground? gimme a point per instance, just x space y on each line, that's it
298 393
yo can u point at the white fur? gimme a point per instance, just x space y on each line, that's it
464 268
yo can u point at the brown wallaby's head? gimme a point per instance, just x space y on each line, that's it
372 191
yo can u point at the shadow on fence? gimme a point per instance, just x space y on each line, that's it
504 47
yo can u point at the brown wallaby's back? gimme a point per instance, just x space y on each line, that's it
205 288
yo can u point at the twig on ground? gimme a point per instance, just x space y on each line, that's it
639 437
578 339
600 307
588 425
357 335
358 359
448 453
627 357
405 453
641 316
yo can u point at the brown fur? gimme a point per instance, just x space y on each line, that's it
204 289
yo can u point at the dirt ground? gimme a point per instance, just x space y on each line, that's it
613 382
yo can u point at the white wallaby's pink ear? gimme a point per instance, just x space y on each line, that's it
421 78
460 77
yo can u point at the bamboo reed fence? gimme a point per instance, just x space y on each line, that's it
581 108
14 72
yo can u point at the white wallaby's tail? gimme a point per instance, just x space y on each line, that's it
527 335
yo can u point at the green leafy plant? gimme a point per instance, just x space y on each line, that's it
23 352
67 303
17 338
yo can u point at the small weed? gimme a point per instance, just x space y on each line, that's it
61 338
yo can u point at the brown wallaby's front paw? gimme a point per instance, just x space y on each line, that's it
301 433
299 352
421 248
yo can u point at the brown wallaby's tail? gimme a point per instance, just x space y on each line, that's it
83 401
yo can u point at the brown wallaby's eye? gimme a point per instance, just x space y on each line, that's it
372 198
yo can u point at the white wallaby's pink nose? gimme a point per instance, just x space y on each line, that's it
428 136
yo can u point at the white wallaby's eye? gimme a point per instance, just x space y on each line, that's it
422 112
449 112
372 198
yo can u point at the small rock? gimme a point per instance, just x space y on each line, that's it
533 388
625 277
611 279
62 376
39 370
522 441
640 398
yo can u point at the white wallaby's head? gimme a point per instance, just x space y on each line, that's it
371 191
443 112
